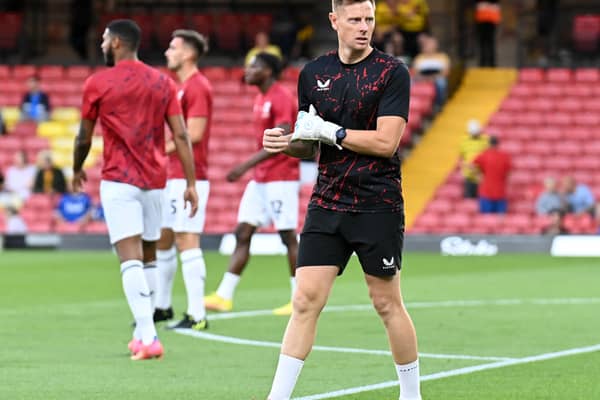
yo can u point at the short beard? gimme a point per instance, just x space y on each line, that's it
109 58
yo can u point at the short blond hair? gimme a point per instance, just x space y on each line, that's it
338 3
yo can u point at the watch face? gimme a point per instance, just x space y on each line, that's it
340 134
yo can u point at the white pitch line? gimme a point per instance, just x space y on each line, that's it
456 372
277 345
425 304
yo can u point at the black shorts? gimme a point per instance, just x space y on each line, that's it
330 237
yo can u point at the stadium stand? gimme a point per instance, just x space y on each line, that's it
231 140
548 123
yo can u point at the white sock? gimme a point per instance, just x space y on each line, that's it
166 264
408 375
138 297
286 375
293 285
228 285
194 274
151 275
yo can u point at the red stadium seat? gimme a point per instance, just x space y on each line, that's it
35 144
590 119
228 32
557 119
16 87
561 75
457 223
216 73
203 23
96 227
78 72
588 75
578 133
511 104
440 206
530 163
522 90
487 223
549 90
516 223
148 25
429 221
5 72
569 104
449 192
23 72
549 133
25 129
257 23
237 74
40 203
10 143
538 147
540 104
531 75
512 146
528 118
579 90
592 104
164 26
51 73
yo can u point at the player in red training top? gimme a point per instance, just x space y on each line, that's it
132 102
272 196
178 228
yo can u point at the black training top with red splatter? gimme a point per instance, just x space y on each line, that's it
354 96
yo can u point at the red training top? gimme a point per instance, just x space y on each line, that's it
275 107
196 99
132 101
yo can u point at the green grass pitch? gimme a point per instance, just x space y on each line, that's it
64 327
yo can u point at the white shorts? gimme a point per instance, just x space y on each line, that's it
270 202
174 216
130 211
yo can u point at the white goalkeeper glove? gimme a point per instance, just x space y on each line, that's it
309 126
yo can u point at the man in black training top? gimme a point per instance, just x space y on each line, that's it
353 106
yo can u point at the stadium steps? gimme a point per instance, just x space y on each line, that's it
436 155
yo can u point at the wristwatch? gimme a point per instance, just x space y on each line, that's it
340 135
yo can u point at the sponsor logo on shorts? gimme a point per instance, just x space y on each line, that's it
388 264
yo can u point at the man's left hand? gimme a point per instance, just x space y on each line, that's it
190 196
309 126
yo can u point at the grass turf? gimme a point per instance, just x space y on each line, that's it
65 326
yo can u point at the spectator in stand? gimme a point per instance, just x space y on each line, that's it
433 65
49 178
473 144
394 46
578 196
550 200
303 41
494 166
14 223
262 45
487 18
74 208
409 17
19 176
36 104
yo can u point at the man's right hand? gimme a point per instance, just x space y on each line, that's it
275 140
190 196
78 178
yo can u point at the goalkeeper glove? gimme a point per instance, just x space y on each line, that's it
309 126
